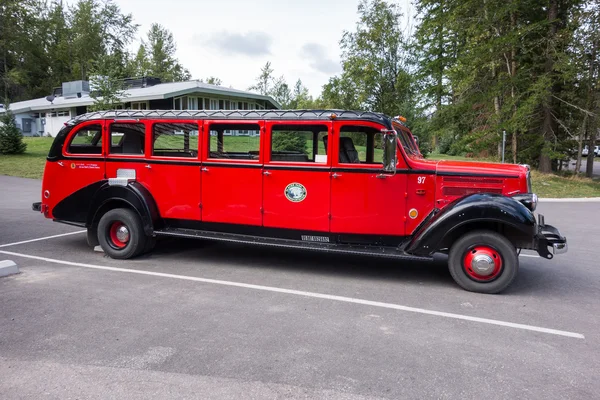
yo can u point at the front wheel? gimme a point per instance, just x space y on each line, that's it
121 234
483 262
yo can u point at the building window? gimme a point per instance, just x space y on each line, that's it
175 140
58 114
139 105
214 104
177 103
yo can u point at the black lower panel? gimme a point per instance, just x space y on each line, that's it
289 234
360 250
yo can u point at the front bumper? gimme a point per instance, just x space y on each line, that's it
549 241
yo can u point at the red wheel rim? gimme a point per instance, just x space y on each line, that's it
119 234
482 263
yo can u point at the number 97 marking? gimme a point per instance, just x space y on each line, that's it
421 180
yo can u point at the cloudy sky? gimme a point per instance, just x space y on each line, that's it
233 39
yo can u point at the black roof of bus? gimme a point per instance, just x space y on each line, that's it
308 115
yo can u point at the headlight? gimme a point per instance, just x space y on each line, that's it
529 200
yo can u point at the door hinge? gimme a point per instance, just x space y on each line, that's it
405 195
329 215
199 205
262 210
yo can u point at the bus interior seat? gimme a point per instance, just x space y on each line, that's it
133 144
348 153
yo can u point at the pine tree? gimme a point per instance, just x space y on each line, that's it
11 139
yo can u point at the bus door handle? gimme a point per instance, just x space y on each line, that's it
148 166
381 176
204 169
266 173
336 175
61 164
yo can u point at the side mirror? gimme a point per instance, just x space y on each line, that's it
390 156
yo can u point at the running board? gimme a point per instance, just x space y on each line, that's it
378 251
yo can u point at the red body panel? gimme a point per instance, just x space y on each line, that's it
364 204
231 190
174 182
420 199
231 195
312 212
63 178
175 188
361 193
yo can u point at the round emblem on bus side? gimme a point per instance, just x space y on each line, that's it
73 165
295 192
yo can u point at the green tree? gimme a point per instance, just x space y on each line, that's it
107 87
11 138
264 81
290 141
281 92
161 49
213 80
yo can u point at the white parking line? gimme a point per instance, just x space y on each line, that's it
42 238
310 294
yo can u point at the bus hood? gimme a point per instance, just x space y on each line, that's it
445 167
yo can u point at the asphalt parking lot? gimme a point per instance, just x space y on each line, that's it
209 320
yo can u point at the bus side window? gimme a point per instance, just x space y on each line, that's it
234 141
87 141
175 140
127 138
360 145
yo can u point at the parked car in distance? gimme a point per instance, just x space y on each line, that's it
586 151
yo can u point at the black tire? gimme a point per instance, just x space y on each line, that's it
150 244
92 236
483 239
137 241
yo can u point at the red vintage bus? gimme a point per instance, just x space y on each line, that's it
329 180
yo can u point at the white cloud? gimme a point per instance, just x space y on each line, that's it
319 58
253 43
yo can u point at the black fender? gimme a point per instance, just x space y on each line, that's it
476 211
134 194
85 206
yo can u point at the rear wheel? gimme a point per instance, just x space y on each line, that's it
121 234
483 261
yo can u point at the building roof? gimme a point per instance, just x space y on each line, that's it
156 92
239 115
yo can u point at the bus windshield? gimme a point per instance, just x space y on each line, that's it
407 141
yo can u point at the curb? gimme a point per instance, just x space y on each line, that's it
570 200
8 267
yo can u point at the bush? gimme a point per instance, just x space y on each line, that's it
289 141
11 139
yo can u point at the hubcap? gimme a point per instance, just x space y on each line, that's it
119 234
482 263
123 233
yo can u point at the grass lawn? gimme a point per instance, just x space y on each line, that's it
31 165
